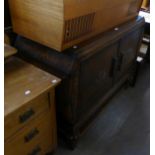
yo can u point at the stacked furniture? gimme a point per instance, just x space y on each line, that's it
91 45
91 73
29 109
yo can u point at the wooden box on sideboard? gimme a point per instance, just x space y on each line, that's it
60 24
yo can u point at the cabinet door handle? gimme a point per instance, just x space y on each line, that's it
31 135
27 115
120 61
35 151
113 62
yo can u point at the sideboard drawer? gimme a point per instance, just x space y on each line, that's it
19 118
35 138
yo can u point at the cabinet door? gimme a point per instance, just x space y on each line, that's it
95 78
128 48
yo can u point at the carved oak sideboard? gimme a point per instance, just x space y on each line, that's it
91 73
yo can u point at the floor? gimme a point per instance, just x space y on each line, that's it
123 127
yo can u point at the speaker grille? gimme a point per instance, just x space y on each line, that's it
78 27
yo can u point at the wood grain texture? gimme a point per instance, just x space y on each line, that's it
145 3
21 77
17 144
38 20
45 21
12 120
29 109
9 50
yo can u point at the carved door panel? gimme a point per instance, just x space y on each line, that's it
127 52
96 76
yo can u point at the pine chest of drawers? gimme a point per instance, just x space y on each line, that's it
30 123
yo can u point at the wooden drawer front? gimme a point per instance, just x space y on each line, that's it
35 139
26 113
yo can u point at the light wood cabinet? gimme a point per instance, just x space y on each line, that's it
145 3
30 123
60 24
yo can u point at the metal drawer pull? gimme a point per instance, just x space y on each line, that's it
31 135
27 115
35 151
